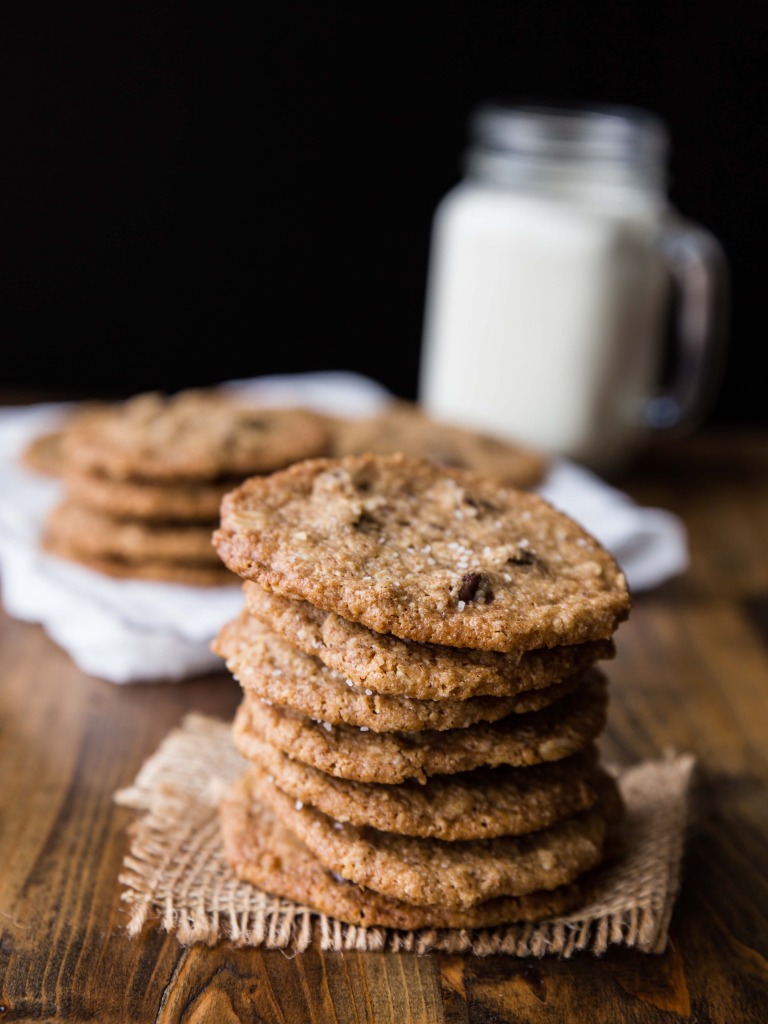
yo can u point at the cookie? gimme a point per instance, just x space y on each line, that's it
387 664
477 804
261 851
405 427
559 731
270 668
156 569
92 533
192 435
183 501
428 872
429 554
45 453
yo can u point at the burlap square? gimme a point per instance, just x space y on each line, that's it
175 871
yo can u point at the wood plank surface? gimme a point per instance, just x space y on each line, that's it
691 674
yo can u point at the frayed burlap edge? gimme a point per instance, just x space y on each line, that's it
175 872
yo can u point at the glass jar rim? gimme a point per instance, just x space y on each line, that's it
570 131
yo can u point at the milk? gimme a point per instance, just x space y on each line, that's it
544 314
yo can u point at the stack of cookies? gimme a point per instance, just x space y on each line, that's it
144 479
419 651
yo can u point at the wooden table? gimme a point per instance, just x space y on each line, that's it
691 673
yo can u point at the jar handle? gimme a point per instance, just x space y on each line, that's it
699 273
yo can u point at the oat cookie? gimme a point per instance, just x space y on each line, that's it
192 435
93 533
263 852
425 872
181 501
478 804
270 668
426 553
405 427
559 731
387 664
45 453
157 569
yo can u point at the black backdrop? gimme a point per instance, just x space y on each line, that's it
192 193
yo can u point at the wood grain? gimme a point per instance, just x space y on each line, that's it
691 674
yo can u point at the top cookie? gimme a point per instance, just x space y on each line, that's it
407 428
424 552
45 453
192 435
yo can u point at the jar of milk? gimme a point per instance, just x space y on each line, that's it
568 305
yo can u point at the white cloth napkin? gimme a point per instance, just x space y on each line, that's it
129 631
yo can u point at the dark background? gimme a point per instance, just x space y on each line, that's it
195 193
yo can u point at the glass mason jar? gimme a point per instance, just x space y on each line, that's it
568 305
